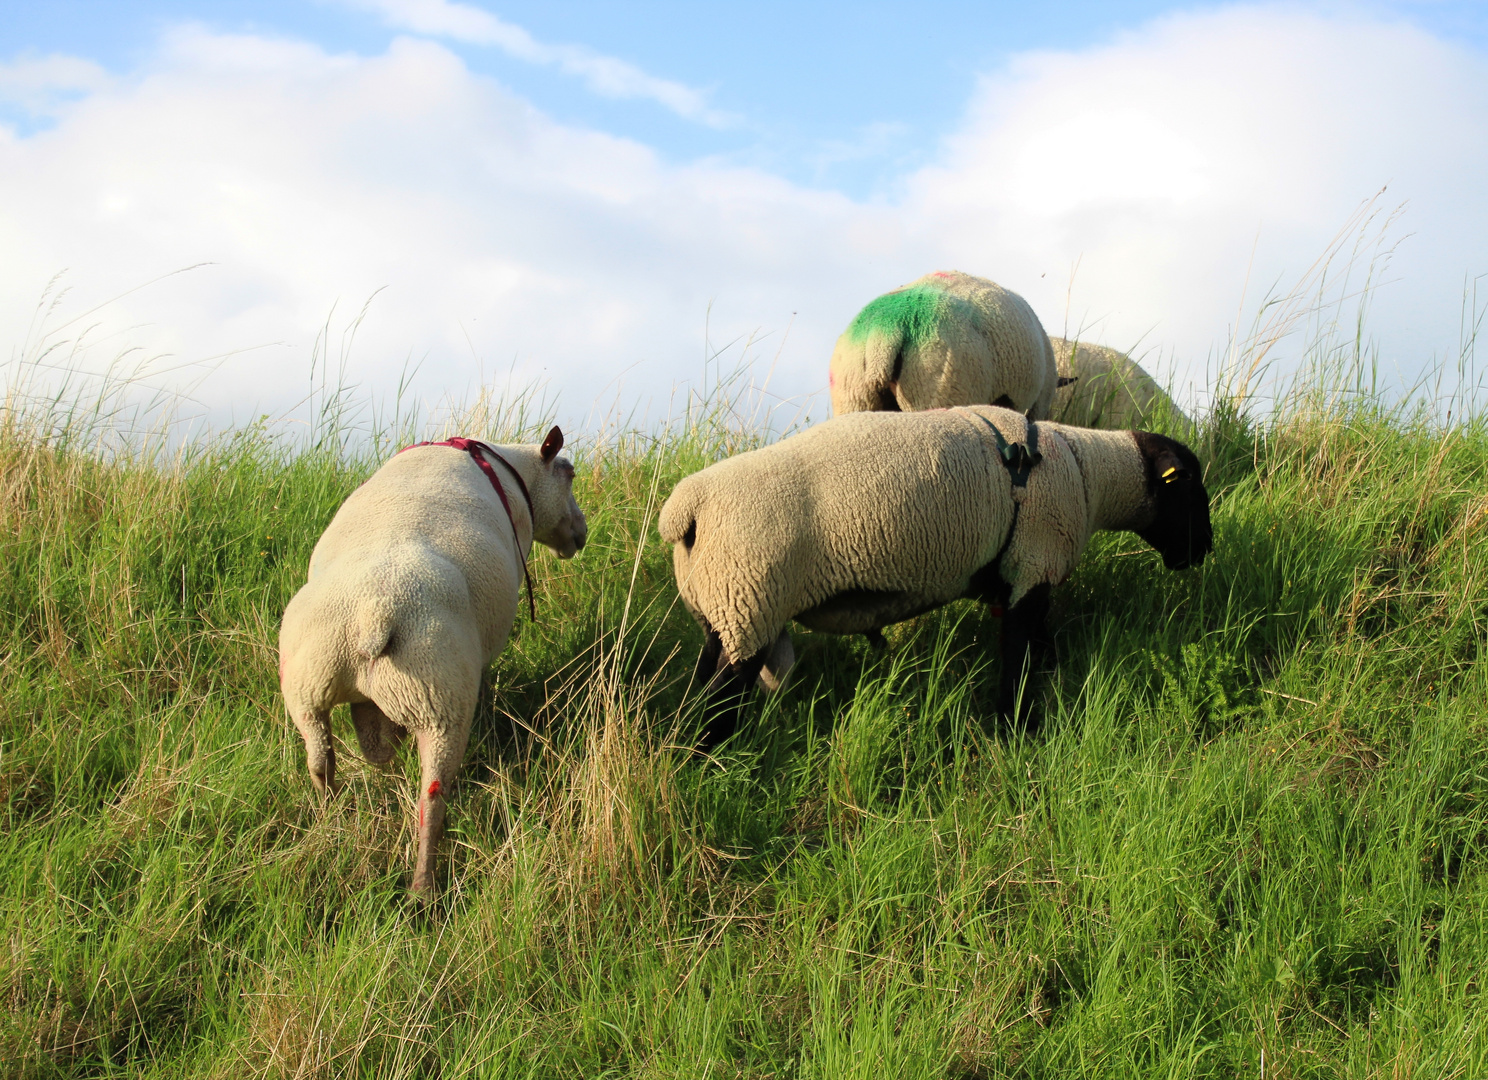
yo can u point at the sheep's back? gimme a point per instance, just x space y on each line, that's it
909 503
990 345
427 520
1110 390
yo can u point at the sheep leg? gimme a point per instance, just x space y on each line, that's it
779 659
710 660
320 753
440 753
726 695
378 736
1024 638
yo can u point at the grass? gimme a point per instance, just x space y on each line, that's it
1250 842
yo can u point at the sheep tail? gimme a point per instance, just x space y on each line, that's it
678 520
374 629
883 358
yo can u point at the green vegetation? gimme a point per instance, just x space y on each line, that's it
1254 825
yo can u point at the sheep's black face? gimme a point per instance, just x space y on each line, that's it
1179 529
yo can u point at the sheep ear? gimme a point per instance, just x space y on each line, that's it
552 444
1169 467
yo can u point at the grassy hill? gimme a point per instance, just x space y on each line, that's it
1250 840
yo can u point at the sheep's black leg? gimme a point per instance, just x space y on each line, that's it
726 694
1025 638
708 659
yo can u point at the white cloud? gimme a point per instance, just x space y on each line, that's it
311 179
39 84
1159 161
605 75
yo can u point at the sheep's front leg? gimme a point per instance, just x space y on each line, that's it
320 754
1025 636
440 753
378 736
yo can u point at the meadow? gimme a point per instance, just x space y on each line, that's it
1249 841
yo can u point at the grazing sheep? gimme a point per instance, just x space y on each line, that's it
874 517
1100 387
412 592
947 339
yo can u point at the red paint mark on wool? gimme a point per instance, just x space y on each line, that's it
434 790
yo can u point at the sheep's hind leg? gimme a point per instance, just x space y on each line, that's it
440 754
779 659
726 692
320 753
378 736
710 659
1024 640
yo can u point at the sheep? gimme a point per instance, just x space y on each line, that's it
412 591
874 517
1100 387
946 339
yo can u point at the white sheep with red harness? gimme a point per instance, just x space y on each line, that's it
873 517
413 590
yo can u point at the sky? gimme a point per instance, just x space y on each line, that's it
597 197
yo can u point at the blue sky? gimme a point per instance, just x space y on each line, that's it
850 96
846 95
572 188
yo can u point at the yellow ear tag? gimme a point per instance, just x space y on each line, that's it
1168 476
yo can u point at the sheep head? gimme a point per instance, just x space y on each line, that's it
559 522
1179 529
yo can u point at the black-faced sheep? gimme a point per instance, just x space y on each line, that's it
946 339
871 518
1100 387
412 591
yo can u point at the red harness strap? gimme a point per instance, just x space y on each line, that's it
474 448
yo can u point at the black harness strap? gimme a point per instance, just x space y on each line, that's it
1019 459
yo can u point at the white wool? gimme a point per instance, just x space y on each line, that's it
1109 390
412 591
973 342
873 517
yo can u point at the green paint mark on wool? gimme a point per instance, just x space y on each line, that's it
915 313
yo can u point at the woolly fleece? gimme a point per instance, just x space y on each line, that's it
873 517
946 339
1110 390
412 591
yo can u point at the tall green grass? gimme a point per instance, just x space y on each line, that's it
1250 842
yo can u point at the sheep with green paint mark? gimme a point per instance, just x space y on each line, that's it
946 339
